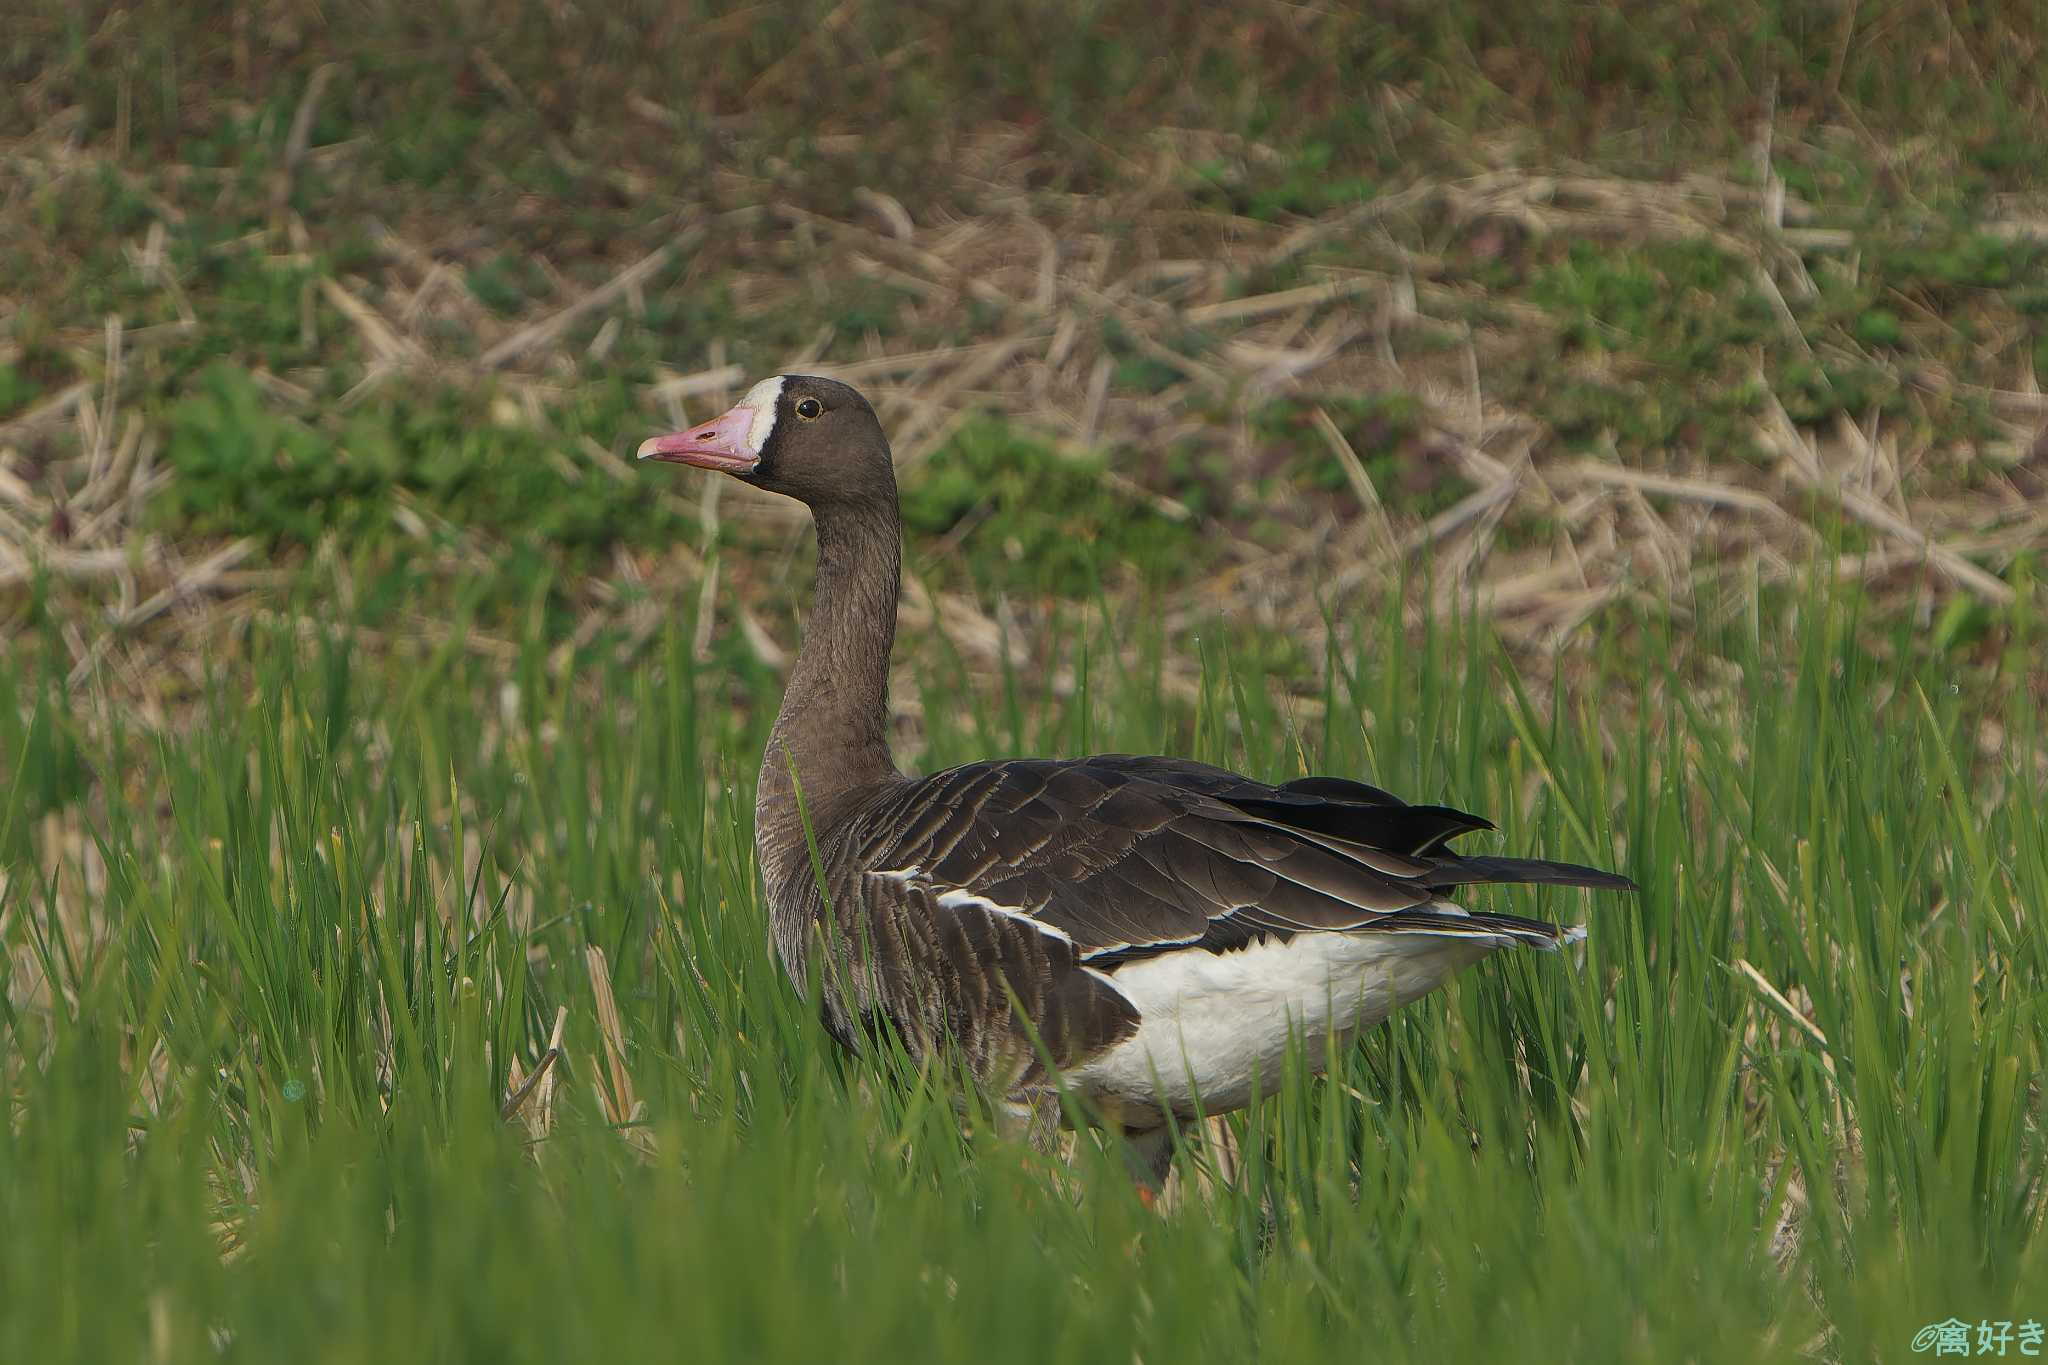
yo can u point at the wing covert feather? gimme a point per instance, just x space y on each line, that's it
1120 852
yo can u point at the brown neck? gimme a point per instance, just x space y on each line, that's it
833 726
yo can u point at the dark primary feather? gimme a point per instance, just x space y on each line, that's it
1048 875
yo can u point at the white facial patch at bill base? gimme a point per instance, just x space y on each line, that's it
762 399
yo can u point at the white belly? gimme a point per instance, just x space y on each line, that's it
1218 1025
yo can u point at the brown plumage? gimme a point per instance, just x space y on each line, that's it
1157 927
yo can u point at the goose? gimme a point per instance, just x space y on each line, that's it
1152 933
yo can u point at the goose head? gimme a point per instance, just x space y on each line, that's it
809 438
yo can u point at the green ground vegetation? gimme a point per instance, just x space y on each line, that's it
266 1002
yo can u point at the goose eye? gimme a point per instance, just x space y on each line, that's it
808 408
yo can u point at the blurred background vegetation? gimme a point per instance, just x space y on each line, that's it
1569 303
1623 420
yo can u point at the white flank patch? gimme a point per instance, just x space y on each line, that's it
761 400
1212 1022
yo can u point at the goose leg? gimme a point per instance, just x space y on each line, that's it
1151 1159
1032 1117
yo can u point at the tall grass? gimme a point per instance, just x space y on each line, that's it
267 974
